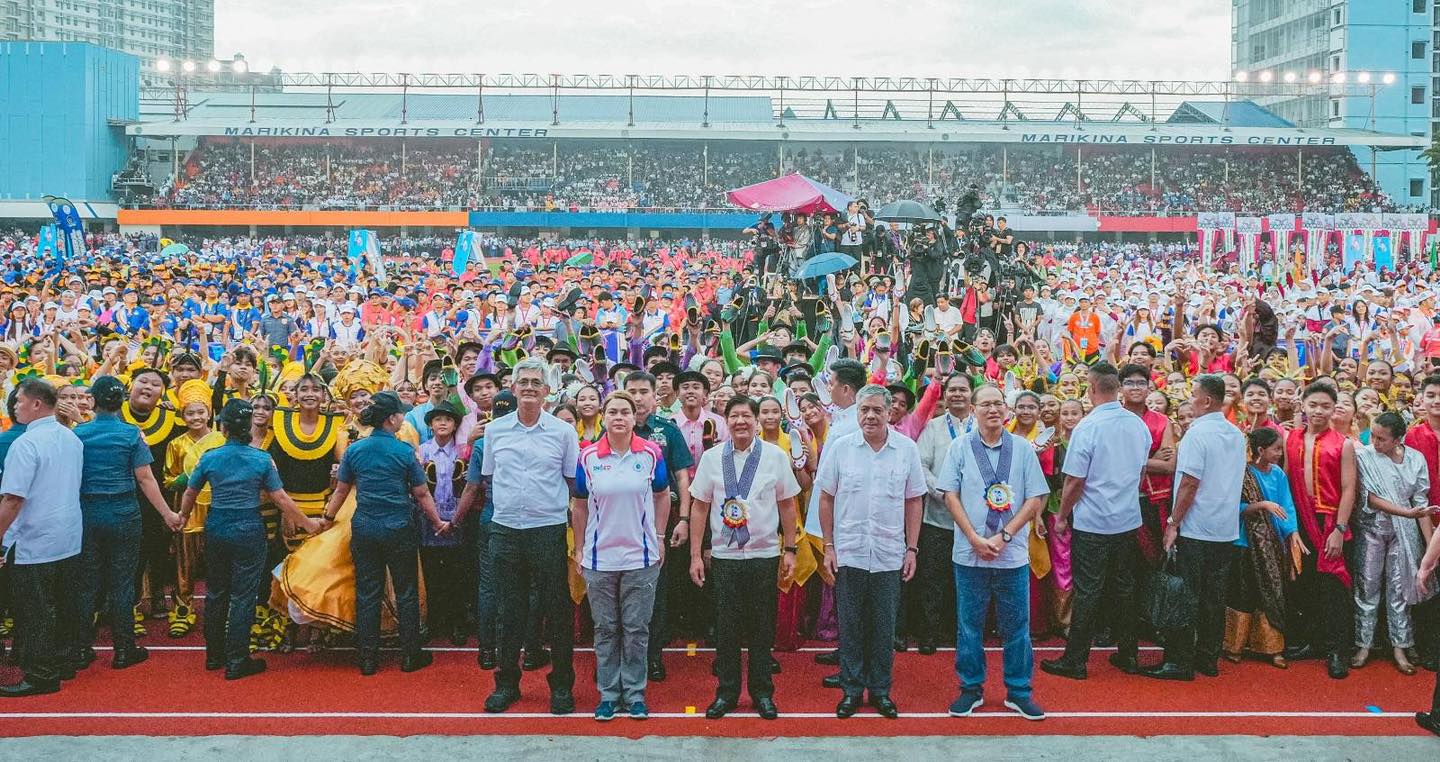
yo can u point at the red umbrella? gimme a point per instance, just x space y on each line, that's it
791 193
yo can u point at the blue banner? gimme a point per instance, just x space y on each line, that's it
1384 256
465 245
67 222
360 241
1354 251
48 243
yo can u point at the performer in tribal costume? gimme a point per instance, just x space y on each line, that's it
158 425
181 456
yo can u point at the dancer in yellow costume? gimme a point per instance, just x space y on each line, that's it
181 457
158 425
316 583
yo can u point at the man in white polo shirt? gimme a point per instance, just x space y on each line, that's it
1103 463
40 509
746 490
531 458
1202 530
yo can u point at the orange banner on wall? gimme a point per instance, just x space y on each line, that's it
276 217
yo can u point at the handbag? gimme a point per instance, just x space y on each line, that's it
1172 603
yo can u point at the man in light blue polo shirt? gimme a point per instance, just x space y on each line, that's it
993 489
1103 464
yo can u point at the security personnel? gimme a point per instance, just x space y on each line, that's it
388 483
116 466
235 547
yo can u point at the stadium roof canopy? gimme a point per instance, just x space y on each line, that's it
834 117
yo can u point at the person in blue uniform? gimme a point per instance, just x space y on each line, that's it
235 546
116 468
389 483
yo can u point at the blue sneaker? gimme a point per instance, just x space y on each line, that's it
638 711
970 700
1026 708
605 711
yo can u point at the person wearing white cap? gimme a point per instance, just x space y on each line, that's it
347 331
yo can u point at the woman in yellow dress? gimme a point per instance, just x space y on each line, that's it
181 456
316 583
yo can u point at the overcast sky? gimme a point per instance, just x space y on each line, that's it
1144 39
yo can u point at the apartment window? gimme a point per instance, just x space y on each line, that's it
1334 108
1418 6
1417 95
1417 187
1417 49
1335 17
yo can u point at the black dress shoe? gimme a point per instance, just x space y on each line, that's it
901 645
830 681
1338 667
501 699
458 637
1208 668
1168 671
26 688
885 706
828 658
244 669
535 659
486 658
1061 668
1294 653
562 701
213 663
369 666
1429 721
417 661
718 708
766 708
774 666
847 707
66 671
84 658
926 649
129 657
1126 663
657 669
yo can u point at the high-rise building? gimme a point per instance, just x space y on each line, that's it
151 30
1372 64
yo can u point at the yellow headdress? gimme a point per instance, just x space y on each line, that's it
359 375
194 391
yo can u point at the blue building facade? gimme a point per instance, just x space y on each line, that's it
63 111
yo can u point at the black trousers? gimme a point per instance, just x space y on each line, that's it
109 556
865 605
526 558
1098 561
156 540
377 551
745 602
444 568
1205 567
46 617
927 603
681 608
234 566
1319 610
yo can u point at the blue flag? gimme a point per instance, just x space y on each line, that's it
67 223
1384 256
48 243
359 244
465 245
1354 251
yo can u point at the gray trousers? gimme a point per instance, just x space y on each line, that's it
865 604
620 604
1380 570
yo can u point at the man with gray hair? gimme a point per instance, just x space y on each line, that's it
531 457
871 486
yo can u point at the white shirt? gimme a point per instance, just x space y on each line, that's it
855 235
1108 449
619 489
43 468
948 318
1213 451
529 468
870 489
774 481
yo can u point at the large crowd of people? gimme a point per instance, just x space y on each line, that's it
451 174
1119 445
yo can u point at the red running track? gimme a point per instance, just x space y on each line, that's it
323 694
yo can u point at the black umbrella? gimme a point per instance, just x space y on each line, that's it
907 211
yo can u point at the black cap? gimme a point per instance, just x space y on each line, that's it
768 353
664 366
505 404
560 349
797 368
444 407
109 392
686 377
470 382
235 412
386 404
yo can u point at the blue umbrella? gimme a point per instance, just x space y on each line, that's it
824 264
174 250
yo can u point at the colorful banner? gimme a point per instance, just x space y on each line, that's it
1384 254
466 245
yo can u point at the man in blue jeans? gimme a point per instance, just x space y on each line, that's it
994 488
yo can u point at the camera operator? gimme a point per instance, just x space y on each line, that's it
889 249
798 237
928 255
1002 238
767 246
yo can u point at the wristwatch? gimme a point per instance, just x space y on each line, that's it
1006 536
912 549
1340 527
1169 521
788 549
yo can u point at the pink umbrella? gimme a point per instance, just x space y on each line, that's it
791 193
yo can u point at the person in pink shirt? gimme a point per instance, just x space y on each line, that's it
908 417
